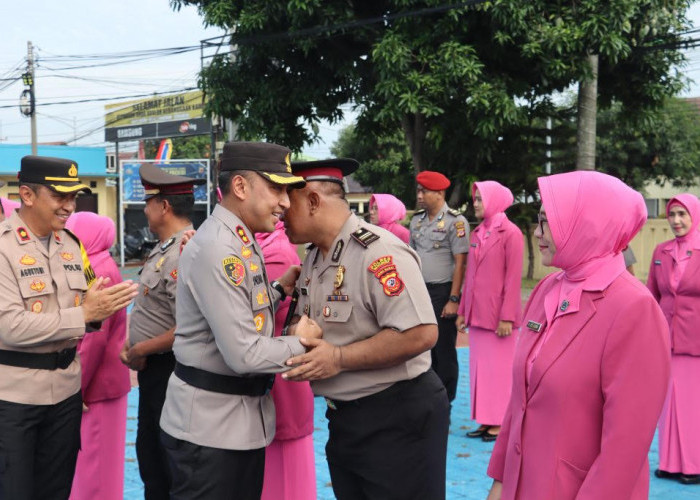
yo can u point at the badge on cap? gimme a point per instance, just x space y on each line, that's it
73 170
234 270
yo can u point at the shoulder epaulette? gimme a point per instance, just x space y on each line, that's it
167 244
419 212
454 212
364 237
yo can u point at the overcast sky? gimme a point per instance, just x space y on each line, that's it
81 27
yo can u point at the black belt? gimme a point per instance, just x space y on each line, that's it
226 384
388 393
39 360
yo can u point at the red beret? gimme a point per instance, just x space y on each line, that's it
434 181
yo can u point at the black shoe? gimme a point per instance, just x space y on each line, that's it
689 479
662 474
488 438
479 432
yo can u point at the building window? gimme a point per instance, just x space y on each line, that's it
652 207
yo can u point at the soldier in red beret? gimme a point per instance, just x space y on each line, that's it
439 235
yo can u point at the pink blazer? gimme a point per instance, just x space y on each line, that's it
493 278
582 427
682 308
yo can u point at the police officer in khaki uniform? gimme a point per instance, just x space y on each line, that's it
440 236
387 409
218 414
48 294
169 201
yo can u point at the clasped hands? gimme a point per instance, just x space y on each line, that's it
320 361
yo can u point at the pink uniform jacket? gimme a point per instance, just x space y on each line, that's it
682 305
586 397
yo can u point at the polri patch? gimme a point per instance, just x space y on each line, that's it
234 269
385 271
461 231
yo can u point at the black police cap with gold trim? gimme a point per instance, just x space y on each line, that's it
159 182
58 174
272 161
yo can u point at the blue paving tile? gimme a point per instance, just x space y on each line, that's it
467 459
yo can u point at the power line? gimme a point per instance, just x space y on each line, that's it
100 99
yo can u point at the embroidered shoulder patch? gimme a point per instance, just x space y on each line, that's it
385 271
234 270
461 232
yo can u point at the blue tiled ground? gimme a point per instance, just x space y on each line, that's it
466 458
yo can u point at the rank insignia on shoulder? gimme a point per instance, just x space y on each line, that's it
419 212
454 212
168 244
364 237
234 270
23 234
242 234
657 262
534 326
173 274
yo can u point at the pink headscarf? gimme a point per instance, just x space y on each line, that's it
96 232
390 211
495 197
265 239
8 206
691 203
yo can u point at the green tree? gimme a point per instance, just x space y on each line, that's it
187 148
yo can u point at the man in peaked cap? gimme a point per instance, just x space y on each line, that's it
218 414
387 409
48 294
169 201
440 236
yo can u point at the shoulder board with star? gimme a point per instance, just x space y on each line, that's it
167 244
419 212
364 237
454 212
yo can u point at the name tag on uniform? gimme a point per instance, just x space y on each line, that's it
657 262
304 290
473 244
534 326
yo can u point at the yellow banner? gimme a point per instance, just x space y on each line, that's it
156 109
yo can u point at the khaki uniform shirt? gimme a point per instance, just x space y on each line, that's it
380 287
154 308
40 295
225 324
437 242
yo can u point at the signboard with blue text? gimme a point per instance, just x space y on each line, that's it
132 189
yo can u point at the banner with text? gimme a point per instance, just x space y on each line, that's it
132 189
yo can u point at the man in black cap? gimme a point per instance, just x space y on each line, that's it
48 294
218 415
169 201
387 409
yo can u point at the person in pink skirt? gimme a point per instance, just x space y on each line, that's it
591 364
673 280
105 382
490 306
387 211
290 469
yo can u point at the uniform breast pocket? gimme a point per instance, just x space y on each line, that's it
149 283
76 281
35 290
259 297
437 238
337 312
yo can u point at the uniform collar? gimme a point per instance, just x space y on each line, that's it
340 243
236 225
24 235
174 240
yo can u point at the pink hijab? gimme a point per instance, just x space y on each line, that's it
495 197
691 203
592 217
96 232
390 211
8 206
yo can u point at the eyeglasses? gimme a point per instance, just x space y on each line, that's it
540 222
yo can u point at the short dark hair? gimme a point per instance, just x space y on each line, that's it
180 203
329 188
225 177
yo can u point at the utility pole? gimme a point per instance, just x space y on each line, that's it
30 70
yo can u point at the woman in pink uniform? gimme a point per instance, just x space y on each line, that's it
490 306
591 365
290 469
105 380
387 211
673 280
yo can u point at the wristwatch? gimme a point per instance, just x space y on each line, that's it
454 298
278 286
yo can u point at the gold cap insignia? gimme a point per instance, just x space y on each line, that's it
289 164
73 171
